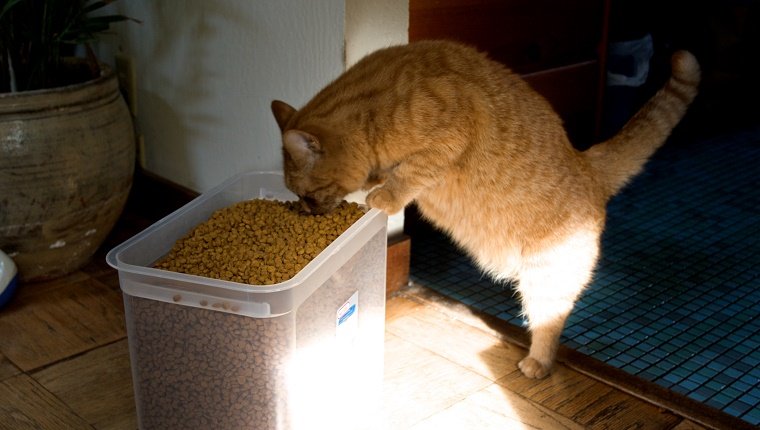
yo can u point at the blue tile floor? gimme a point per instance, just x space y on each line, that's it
676 295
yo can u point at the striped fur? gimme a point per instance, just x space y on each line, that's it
484 157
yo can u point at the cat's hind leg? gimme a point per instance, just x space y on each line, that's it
549 284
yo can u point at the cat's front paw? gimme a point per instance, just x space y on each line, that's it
382 199
532 368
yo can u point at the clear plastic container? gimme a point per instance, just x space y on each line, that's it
302 354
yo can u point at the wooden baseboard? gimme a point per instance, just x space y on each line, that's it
397 269
154 197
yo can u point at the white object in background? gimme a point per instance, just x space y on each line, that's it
8 278
630 54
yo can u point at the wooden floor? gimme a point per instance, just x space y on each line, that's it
64 364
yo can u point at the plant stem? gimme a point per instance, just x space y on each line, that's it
12 74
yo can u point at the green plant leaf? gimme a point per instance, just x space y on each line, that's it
95 6
8 6
35 35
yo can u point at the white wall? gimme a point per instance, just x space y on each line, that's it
208 70
372 25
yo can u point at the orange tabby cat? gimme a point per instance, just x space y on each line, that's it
485 158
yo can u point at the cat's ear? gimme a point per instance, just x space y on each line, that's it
282 113
303 148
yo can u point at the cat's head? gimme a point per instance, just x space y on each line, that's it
318 166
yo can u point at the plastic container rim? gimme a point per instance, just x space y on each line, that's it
112 258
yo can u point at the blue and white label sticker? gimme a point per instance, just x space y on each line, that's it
347 320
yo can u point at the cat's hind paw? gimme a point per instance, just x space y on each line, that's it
532 368
382 199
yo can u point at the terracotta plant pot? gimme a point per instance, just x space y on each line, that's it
66 164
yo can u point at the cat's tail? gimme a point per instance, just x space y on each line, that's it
622 157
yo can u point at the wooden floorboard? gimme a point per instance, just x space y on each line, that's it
494 408
466 346
79 380
7 369
440 371
27 405
49 322
419 383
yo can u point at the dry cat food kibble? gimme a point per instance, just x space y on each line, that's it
200 368
207 354
259 242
